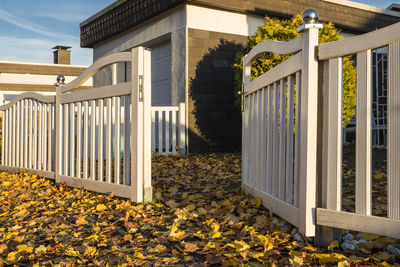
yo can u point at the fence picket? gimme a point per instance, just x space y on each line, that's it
72 138
79 140
393 131
93 140
282 140
363 134
296 183
117 141
108 142
100 141
289 141
85 139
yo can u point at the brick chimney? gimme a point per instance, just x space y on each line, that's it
62 55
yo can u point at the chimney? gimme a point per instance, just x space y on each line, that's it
62 55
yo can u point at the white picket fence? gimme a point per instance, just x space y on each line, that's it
279 152
331 54
280 163
168 130
28 142
78 139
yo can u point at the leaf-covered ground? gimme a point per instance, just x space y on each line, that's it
199 217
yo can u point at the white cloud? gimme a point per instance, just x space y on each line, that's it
33 27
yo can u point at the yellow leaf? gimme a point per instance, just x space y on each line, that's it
90 252
215 227
81 221
216 235
101 207
72 252
259 202
12 256
191 247
24 249
12 235
333 244
328 258
239 245
41 249
94 236
343 263
175 234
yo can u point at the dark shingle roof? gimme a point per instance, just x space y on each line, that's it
125 14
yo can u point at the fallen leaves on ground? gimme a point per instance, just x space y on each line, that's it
199 216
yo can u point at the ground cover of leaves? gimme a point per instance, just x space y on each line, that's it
199 218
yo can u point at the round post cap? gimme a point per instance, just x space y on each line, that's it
310 16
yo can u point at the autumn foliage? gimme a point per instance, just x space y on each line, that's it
199 216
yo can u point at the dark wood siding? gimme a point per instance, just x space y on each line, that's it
214 119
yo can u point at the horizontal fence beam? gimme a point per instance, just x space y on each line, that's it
47 174
29 95
120 89
286 68
97 186
368 41
358 222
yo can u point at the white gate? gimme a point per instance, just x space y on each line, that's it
330 213
279 135
103 134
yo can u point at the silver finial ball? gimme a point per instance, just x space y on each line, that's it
60 79
310 16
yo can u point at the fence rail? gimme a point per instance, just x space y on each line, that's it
95 138
168 130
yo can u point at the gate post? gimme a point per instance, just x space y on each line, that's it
308 119
141 126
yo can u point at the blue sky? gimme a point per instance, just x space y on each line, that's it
30 28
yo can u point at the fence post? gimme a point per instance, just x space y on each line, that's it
147 187
136 126
308 119
182 129
58 135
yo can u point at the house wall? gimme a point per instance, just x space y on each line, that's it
156 33
214 120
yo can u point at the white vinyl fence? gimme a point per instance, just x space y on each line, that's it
331 54
168 130
280 163
103 134
28 142
280 130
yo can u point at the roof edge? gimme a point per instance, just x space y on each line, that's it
364 7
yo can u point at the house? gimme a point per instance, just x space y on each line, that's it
194 43
17 77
